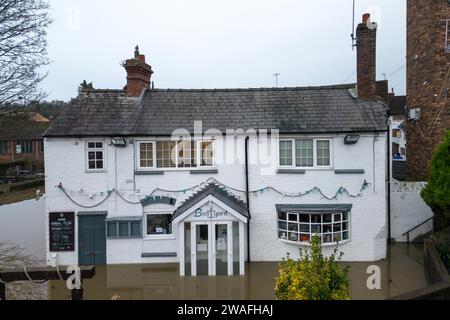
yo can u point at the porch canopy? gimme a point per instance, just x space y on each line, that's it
211 233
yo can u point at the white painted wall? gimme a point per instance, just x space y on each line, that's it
65 163
408 210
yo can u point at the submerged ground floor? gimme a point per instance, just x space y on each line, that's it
401 272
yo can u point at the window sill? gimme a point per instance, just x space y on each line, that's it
149 173
307 244
349 171
123 238
159 255
204 171
161 237
291 171
96 171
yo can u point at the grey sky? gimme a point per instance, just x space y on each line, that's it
219 44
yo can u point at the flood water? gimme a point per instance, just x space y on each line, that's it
23 223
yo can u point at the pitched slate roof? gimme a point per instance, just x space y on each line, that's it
159 112
22 126
219 193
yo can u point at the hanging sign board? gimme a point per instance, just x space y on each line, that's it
62 231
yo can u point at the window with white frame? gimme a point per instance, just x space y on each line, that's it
167 154
159 224
95 153
305 153
300 227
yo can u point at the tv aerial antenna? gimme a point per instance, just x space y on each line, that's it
353 28
276 75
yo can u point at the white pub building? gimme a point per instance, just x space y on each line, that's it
212 179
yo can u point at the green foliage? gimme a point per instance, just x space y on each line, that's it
313 276
437 192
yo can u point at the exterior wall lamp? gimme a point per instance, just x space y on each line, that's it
351 138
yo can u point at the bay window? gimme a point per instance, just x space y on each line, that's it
300 227
305 153
167 154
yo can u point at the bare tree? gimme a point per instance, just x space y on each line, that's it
23 49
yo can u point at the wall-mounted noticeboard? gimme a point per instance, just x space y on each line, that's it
62 231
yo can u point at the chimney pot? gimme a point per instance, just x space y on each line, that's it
366 18
138 74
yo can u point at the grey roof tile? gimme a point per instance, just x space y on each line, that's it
161 111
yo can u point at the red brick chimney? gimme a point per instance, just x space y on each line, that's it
138 74
366 43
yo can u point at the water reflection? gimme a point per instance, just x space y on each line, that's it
400 274
23 223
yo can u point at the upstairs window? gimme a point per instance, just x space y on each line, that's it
95 155
24 146
159 224
4 147
167 154
305 153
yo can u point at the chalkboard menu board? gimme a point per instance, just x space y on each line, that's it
62 231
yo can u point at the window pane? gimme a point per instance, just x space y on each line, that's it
99 145
206 154
99 164
91 164
293 227
187 154
327 238
91 145
282 235
136 229
112 229
91 155
282 215
326 218
123 229
159 224
323 152
282 225
166 154
304 153
304 228
146 155
327 228
293 236
304 218
285 153
99 155
293 217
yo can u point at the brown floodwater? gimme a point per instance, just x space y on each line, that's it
401 273
23 223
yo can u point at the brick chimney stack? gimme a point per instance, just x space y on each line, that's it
366 43
138 74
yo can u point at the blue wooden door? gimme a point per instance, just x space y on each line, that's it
91 240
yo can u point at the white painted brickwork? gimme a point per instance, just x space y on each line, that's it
65 163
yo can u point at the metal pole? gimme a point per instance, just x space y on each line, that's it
2 291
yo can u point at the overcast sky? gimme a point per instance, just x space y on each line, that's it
219 44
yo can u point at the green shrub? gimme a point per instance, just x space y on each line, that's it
437 192
313 276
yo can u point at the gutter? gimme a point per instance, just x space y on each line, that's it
247 196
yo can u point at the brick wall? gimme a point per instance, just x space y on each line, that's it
427 68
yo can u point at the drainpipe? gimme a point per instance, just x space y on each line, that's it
389 173
248 197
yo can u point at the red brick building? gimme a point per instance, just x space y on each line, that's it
428 81
21 142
